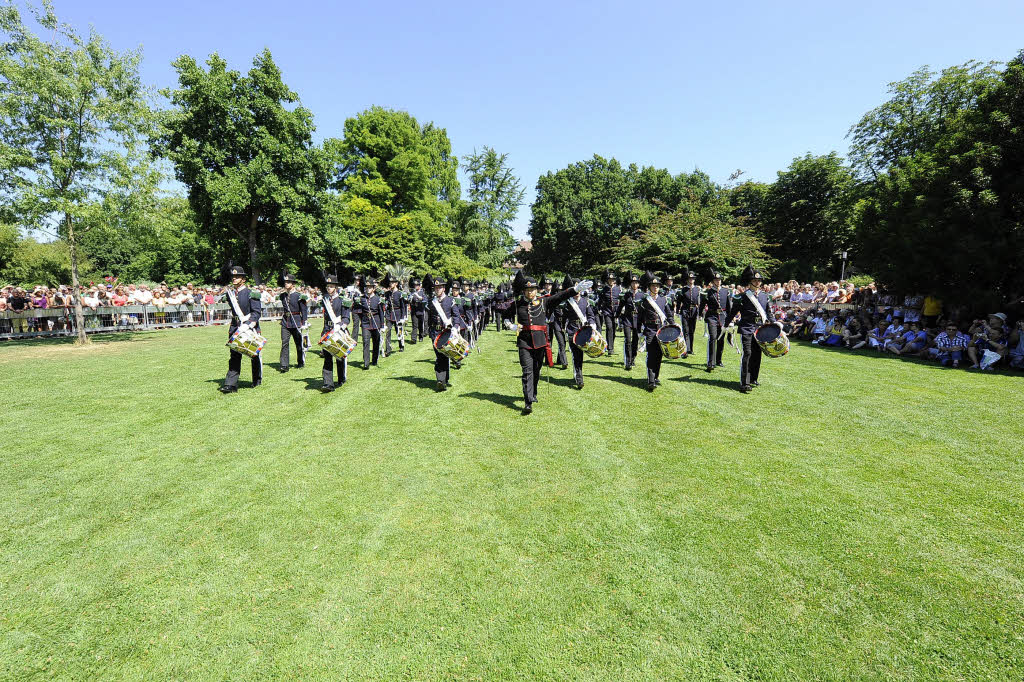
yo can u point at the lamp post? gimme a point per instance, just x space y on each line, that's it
842 274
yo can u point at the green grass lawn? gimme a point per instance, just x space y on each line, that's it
855 518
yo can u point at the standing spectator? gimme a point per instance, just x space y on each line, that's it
19 305
931 308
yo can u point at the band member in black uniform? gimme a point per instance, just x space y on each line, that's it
626 314
293 319
555 332
372 319
418 310
355 292
573 325
397 314
689 308
343 313
650 322
669 291
533 343
442 314
608 303
717 306
500 306
750 319
249 304
468 311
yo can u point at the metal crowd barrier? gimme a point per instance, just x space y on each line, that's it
52 322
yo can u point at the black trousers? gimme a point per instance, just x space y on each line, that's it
300 350
689 327
371 337
330 363
715 345
654 357
750 363
356 325
387 338
235 368
555 332
531 360
419 326
442 363
577 363
630 341
608 320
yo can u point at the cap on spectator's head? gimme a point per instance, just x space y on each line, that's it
1001 316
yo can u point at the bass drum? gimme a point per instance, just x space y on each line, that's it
673 344
590 342
773 341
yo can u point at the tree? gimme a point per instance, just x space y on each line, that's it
580 211
805 214
949 218
73 114
246 154
699 233
919 113
388 158
495 194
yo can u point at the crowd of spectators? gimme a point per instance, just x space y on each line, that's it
909 326
19 308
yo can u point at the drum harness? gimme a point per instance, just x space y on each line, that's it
661 317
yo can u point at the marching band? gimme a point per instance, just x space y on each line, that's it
454 314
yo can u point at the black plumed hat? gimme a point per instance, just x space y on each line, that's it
749 274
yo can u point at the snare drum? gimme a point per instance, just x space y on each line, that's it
590 341
450 343
247 341
773 341
338 343
672 342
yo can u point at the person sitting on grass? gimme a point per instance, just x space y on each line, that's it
894 331
911 341
853 335
1015 350
876 337
834 333
820 326
990 337
950 346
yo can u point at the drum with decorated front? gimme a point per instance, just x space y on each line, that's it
590 341
672 341
338 343
773 341
450 343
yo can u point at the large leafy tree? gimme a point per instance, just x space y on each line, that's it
949 218
580 211
805 214
243 147
73 116
495 194
922 109
700 232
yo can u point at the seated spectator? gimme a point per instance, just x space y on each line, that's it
912 341
876 336
950 346
834 334
820 322
1016 346
893 332
912 308
990 336
854 336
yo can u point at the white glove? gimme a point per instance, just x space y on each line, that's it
244 327
584 286
594 327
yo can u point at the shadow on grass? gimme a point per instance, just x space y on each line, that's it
560 381
913 359
638 382
419 382
70 340
312 383
497 398
710 380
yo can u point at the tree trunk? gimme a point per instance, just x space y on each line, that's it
79 316
251 243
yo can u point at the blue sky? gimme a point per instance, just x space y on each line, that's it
678 85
